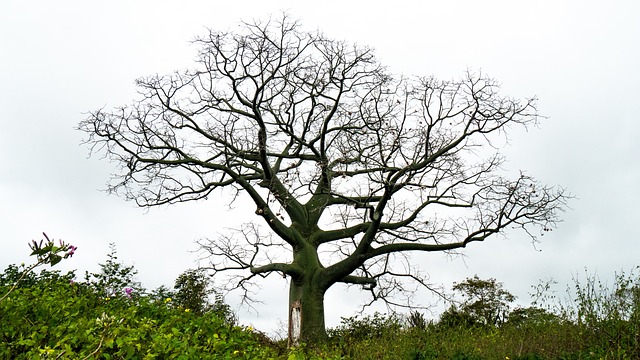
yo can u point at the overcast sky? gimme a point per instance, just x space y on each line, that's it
60 59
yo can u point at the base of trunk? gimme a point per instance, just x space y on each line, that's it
306 314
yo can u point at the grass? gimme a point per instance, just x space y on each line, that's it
557 340
593 321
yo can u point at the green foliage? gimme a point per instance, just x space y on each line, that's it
46 253
367 327
192 291
609 315
50 253
222 309
417 320
454 317
598 322
531 316
49 315
485 302
161 293
14 273
55 317
114 278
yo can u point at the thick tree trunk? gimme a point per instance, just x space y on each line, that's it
306 312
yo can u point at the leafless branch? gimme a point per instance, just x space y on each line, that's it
347 164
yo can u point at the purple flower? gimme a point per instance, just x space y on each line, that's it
72 250
128 291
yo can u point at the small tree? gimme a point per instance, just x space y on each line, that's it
114 278
416 320
349 167
485 302
192 291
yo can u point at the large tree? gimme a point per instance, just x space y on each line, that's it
350 167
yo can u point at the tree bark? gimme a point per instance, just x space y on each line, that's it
306 311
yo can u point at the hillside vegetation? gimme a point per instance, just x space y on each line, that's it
108 315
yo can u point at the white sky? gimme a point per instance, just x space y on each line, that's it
60 59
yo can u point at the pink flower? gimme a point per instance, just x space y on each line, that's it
72 250
128 291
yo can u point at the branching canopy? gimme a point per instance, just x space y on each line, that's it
342 159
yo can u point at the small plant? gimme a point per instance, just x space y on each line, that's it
46 253
609 315
416 320
115 279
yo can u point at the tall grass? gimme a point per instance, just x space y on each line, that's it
593 320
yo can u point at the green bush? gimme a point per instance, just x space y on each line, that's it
110 316
58 318
366 327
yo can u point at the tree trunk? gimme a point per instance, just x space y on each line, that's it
306 312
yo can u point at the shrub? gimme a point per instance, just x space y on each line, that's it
416 320
49 315
115 278
59 318
485 302
366 327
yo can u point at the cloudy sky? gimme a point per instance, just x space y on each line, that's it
580 58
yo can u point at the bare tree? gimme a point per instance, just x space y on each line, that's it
349 167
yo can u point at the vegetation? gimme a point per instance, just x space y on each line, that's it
50 315
348 165
110 316
485 303
593 321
